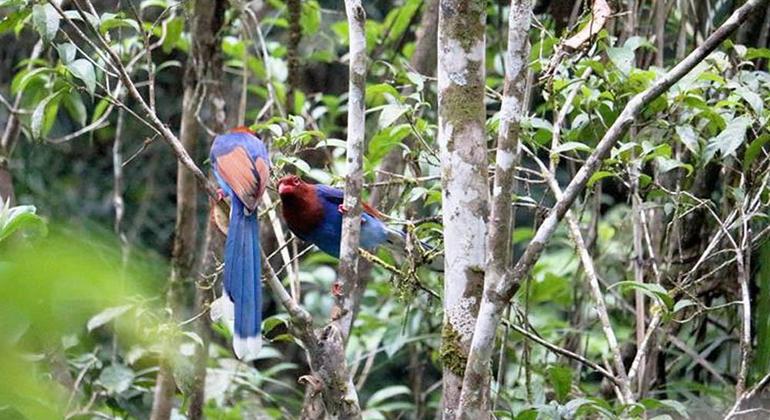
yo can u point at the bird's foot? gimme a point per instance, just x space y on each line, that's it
337 289
220 194
342 209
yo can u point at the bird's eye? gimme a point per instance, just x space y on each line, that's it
295 180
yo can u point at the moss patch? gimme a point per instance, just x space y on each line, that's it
452 354
465 103
465 22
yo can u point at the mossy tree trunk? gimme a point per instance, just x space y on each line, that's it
465 196
475 393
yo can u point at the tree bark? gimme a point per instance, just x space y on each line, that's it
11 136
465 196
494 300
292 52
348 278
660 32
209 15
474 401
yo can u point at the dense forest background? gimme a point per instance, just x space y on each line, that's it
651 298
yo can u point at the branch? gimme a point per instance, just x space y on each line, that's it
593 281
475 386
613 135
166 134
349 280
556 349
496 299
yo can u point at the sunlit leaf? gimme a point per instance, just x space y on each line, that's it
84 70
106 316
45 20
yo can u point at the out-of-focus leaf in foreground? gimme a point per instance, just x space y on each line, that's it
50 288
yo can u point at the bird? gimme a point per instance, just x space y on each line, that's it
241 166
313 212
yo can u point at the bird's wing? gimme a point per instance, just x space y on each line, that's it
336 196
246 177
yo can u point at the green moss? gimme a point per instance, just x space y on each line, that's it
452 354
465 23
462 104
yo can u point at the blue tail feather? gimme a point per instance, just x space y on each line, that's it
242 280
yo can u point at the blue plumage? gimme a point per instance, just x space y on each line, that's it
240 163
328 234
313 213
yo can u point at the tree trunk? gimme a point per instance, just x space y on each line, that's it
496 299
292 53
11 136
209 16
465 196
474 402
660 32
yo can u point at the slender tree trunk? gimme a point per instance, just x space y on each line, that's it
349 281
11 136
292 55
465 196
474 402
681 41
183 252
208 19
660 32
495 299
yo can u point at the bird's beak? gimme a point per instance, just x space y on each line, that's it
284 188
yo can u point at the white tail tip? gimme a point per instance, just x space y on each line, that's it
247 348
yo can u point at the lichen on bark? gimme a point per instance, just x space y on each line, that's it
452 353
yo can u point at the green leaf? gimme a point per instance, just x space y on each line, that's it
560 378
622 58
390 113
310 19
385 140
653 290
730 139
417 80
66 52
666 164
19 218
116 378
84 70
599 175
14 20
174 29
270 323
45 20
106 316
570 146
99 109
74 105
754 150
753 53
39 114
681 304
689 138
387 393
752 98
110 21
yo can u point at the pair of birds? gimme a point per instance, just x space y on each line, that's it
313 213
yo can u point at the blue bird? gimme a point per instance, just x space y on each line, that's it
313 213
241 167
